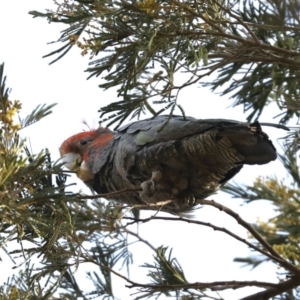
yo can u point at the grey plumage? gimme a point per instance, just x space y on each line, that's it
178 159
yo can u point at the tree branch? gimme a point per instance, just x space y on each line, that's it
139 238
277 290
214 286
109 195
214 227
255 234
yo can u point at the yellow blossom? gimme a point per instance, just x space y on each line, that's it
149 6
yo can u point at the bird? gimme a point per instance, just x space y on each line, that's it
166 159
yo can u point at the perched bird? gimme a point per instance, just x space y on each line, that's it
179 158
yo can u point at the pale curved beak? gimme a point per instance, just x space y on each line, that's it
71 160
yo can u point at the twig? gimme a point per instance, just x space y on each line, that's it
239 20
109 195
215 285
139 238
214 227
255 234
271 253
146 205
155 204
278 289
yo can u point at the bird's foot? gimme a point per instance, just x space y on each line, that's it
149 186
185 200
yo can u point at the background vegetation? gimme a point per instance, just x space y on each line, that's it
141 48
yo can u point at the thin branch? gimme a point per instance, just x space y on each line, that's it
209 21
214 227
277 290
239 20
230 37
273 27
271 253
255 234
268 58
146 205
141 206
139 238
109 195
215 285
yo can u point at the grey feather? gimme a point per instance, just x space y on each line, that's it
194 158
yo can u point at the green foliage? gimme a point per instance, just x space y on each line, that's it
282 231
166 270
56 230
261 79
168 278
49 223
141 48
144 45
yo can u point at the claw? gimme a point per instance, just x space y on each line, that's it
148 186
190 200
185 199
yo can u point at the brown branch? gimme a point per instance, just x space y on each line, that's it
139 238
243 41
268 58
226 59
239 20
277 290
273 288
214 227
109 195
274 27
146 205
214 286
209 69
141 206
255 234
270 252
209 21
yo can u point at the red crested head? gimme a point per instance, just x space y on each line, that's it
75 150
78 142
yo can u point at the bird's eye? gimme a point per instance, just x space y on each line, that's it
83 142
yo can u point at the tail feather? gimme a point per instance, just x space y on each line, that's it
252 143
260 153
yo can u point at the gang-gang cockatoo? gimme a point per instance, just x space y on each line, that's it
179 159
